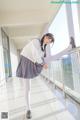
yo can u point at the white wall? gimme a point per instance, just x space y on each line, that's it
14 57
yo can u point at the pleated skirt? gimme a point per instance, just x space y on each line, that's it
28 69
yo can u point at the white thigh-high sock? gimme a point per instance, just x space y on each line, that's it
58 55
27 88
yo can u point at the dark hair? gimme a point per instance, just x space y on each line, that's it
50 36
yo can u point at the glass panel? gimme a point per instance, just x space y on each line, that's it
67 72
6 65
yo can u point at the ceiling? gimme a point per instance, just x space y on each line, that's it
24 20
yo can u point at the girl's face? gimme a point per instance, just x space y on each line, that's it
47 40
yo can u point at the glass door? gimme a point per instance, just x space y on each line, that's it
6 52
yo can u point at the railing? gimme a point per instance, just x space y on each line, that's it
65 73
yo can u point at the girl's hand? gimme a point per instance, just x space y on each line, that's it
45 66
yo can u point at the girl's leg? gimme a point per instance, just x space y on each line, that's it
58 55
27 88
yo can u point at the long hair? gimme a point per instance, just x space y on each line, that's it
43 47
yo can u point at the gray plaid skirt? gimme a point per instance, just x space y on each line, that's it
27 69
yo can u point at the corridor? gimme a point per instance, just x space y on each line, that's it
46 102
55 93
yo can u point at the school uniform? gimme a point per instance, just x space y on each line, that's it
31 64
31 60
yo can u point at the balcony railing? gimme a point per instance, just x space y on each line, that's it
65 73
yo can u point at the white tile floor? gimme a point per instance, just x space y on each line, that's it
44 103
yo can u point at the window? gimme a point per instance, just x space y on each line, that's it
76 24
59 29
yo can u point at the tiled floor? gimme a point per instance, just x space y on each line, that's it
45 104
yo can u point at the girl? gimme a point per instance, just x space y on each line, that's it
32 62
